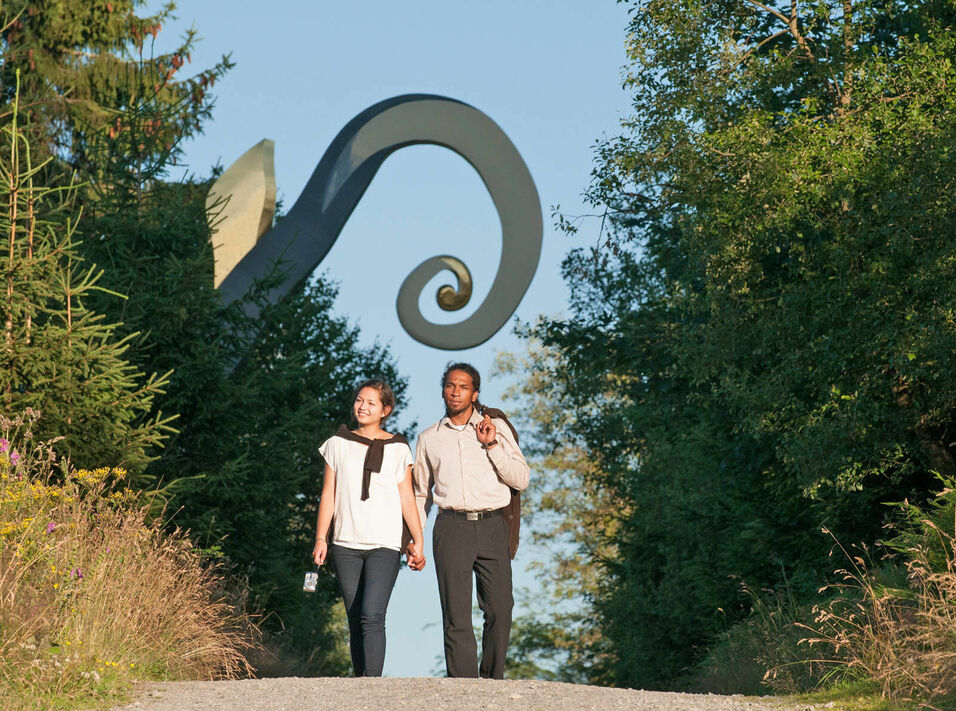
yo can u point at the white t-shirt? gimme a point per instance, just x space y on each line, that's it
377 521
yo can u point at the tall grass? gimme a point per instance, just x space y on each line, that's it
901 634
886 626
93 595
763 653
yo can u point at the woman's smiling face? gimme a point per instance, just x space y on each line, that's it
368 408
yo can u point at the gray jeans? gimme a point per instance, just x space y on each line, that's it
366 579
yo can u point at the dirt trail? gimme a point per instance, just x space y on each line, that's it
425 694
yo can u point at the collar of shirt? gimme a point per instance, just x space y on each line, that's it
473 420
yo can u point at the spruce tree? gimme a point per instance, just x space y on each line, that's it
84 62
58 355
254 399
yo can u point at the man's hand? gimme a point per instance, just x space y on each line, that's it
416 558
485 430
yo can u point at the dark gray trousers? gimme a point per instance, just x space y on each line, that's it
366 579
480 548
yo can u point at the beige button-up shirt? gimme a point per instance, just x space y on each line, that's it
454 471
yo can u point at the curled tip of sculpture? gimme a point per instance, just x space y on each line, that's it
305 235
449 298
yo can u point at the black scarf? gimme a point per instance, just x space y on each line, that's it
374 455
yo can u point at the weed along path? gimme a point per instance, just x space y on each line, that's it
297 694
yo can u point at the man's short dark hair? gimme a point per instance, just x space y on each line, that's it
465 368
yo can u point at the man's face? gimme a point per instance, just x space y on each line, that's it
459 392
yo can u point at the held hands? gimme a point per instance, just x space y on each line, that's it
414 553
320 551
485 431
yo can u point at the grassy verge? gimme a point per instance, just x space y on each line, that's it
882 638
92 595
855 696
765 653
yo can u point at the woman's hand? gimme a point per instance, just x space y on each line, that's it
320 551
323 522
414 551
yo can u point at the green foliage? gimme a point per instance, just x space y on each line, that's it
253 399
767 650
689 519
763 344
59 355
566 515
254 438
856 696
828 309
925 528
83 63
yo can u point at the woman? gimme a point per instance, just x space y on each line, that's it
366 495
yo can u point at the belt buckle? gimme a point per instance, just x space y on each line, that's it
472 515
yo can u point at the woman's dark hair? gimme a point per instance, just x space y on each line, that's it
465 368
380 386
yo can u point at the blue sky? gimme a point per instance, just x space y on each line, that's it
548 72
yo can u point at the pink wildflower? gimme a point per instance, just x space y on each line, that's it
14 457
4 444
50 526
76 573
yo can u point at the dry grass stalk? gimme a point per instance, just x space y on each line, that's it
92 596
903 638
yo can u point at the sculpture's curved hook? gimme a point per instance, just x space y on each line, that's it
305 235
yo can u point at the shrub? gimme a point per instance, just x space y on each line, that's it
94 595
901 633
764 652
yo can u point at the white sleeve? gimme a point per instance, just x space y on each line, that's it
329 450
404 461
508 461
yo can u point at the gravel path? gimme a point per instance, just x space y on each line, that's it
296 694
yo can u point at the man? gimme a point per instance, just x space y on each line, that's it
468 464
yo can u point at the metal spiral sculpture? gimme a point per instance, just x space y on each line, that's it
246 249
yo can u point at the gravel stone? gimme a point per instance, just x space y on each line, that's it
298 694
